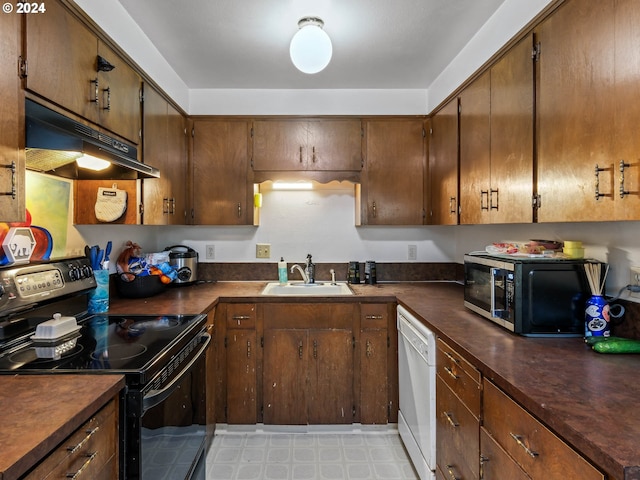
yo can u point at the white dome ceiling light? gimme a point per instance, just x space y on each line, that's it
310 48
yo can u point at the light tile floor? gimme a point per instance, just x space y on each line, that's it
308 454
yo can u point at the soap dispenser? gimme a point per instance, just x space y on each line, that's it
282 271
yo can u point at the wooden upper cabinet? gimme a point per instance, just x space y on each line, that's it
576 114
394 173
62 66
119 96
220 168
512 94
627 108
164 147
12 161
443 165
475 151
310 144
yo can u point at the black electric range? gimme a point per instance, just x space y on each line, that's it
162 358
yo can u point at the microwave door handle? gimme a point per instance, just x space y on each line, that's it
496 272
155 397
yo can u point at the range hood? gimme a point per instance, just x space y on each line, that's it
53 143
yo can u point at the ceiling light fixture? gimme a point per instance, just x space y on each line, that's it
310 48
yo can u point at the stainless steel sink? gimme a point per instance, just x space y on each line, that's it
296 289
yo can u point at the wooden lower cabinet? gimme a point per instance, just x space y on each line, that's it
540 453
374 363
237 357
305 363
308 364
90 452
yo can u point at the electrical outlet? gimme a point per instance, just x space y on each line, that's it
263 250
634 281
412 253
211 251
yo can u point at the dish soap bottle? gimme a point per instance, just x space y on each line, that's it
282 271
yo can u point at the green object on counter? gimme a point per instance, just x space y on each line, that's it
597 339
622 345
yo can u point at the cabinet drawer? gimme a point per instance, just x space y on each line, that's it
373 315
458 450
495 463
541 454
241 315
309 315
86 452
462 377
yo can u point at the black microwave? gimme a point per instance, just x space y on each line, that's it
528 296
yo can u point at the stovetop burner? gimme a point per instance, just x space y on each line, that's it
129 344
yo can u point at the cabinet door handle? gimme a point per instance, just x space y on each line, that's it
313 155
239 210
452 204
300 350
452 473
13 193
90 433
369 350
451 357
518 440
483 460
374 210
300 155
315 349
597 171
108 103
248 349
451 373
623 165
165 206
96 90
493 206
484 194
449 417
90 457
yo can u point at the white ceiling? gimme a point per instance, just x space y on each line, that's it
377 44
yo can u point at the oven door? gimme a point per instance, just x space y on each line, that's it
173 423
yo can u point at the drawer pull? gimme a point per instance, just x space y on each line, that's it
452 473
518 439
90 457
450 372
451 357
450 419
373 317
90 434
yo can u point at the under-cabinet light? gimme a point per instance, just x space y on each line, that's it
292 186
92 163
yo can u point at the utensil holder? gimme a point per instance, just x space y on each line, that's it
596 317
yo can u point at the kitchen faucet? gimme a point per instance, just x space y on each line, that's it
304 273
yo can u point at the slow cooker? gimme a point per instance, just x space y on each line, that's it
185 259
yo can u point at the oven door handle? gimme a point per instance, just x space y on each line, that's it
155 397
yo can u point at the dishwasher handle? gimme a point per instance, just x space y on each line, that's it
155 397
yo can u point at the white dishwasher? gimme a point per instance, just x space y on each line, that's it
417 383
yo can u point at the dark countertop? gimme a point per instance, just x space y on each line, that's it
587 399
40 411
